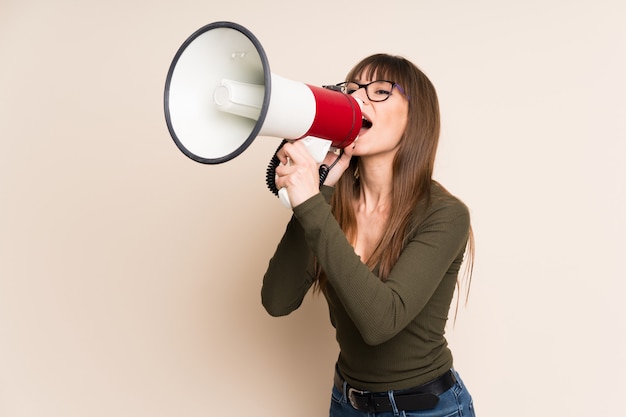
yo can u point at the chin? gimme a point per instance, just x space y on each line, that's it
359 149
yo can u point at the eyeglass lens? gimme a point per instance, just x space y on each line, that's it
375 91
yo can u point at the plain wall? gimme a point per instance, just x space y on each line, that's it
130 275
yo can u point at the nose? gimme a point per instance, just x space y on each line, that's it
360 94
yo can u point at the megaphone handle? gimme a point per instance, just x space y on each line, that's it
283 196
319 148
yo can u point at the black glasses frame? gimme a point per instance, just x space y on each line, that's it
342 87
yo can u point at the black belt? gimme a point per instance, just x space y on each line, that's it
423 397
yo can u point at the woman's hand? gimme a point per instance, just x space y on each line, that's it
298 172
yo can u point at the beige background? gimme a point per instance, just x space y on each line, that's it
130 275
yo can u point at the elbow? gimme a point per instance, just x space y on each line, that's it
376 333
273 309
276 313
276 309
375 338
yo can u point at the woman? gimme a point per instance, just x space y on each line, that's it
384 243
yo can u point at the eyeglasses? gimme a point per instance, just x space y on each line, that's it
376 91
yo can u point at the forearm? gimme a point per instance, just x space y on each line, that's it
291 271
289 274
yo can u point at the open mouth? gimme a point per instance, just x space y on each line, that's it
365 123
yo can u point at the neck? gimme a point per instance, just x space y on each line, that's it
376 183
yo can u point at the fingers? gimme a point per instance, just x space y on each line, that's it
295 162
282 155
298 172
297 152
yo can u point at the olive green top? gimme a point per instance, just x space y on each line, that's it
390 334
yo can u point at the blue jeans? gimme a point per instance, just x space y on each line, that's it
455 402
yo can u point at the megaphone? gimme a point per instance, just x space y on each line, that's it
220 95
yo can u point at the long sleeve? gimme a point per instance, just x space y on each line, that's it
291 272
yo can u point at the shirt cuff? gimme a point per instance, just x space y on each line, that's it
327 191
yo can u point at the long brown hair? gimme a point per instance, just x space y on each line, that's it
413 164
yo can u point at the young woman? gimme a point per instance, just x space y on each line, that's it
384 243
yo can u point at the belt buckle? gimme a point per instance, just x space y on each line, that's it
351 392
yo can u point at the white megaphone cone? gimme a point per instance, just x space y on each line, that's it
220 95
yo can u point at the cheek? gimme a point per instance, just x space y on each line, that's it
399 125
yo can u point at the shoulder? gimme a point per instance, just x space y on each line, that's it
442 206
440 197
